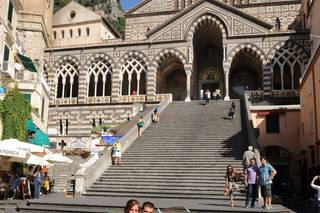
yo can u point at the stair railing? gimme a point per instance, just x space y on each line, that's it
86 176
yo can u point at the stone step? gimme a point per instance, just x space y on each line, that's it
184 156
208 168
218 190
162 195
160 177
42 208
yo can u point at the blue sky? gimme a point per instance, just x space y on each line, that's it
128 4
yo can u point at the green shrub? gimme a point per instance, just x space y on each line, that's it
15 110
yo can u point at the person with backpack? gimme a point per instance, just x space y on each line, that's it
140 125
156 114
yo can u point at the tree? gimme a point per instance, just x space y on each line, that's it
15 110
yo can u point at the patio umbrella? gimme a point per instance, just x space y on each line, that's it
57 157
36 160
10 151
23 146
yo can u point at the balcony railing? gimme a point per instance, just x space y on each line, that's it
8 68
108 99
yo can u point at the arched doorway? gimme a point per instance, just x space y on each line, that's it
245 71
208 57
210 79
171 78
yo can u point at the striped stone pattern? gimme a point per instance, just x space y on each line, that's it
80 118
267 81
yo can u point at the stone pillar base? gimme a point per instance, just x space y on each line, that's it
187 99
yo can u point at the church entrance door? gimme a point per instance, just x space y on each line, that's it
210 79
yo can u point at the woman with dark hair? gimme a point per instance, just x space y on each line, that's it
230 184
132 206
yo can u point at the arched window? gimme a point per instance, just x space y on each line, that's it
133 74
286 69
71 33
88 31
54 35
79 32
67 80
99 78
62 34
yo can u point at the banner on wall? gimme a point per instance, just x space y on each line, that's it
110 140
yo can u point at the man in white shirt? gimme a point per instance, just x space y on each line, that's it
316 187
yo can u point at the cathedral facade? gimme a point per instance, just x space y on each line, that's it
170 46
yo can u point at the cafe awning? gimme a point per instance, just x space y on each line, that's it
23 146
27 63
30 126
40 139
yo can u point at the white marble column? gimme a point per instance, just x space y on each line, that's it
188 73
226 82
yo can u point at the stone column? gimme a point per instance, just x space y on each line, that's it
115 90
267 80
226 69
151 82
83 85
188 73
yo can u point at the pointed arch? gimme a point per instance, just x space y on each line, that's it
99 74
204 19
130 77
134 54
252 48
67 77
165 53
289 58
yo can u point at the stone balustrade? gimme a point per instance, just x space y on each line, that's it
108 99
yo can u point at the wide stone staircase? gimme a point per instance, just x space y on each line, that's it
179 163
184 156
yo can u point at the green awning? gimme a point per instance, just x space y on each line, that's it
41 139
30 126
27 63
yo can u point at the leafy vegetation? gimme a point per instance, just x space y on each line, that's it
118 24
103 128
15 110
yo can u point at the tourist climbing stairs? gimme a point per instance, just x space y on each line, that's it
183 156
